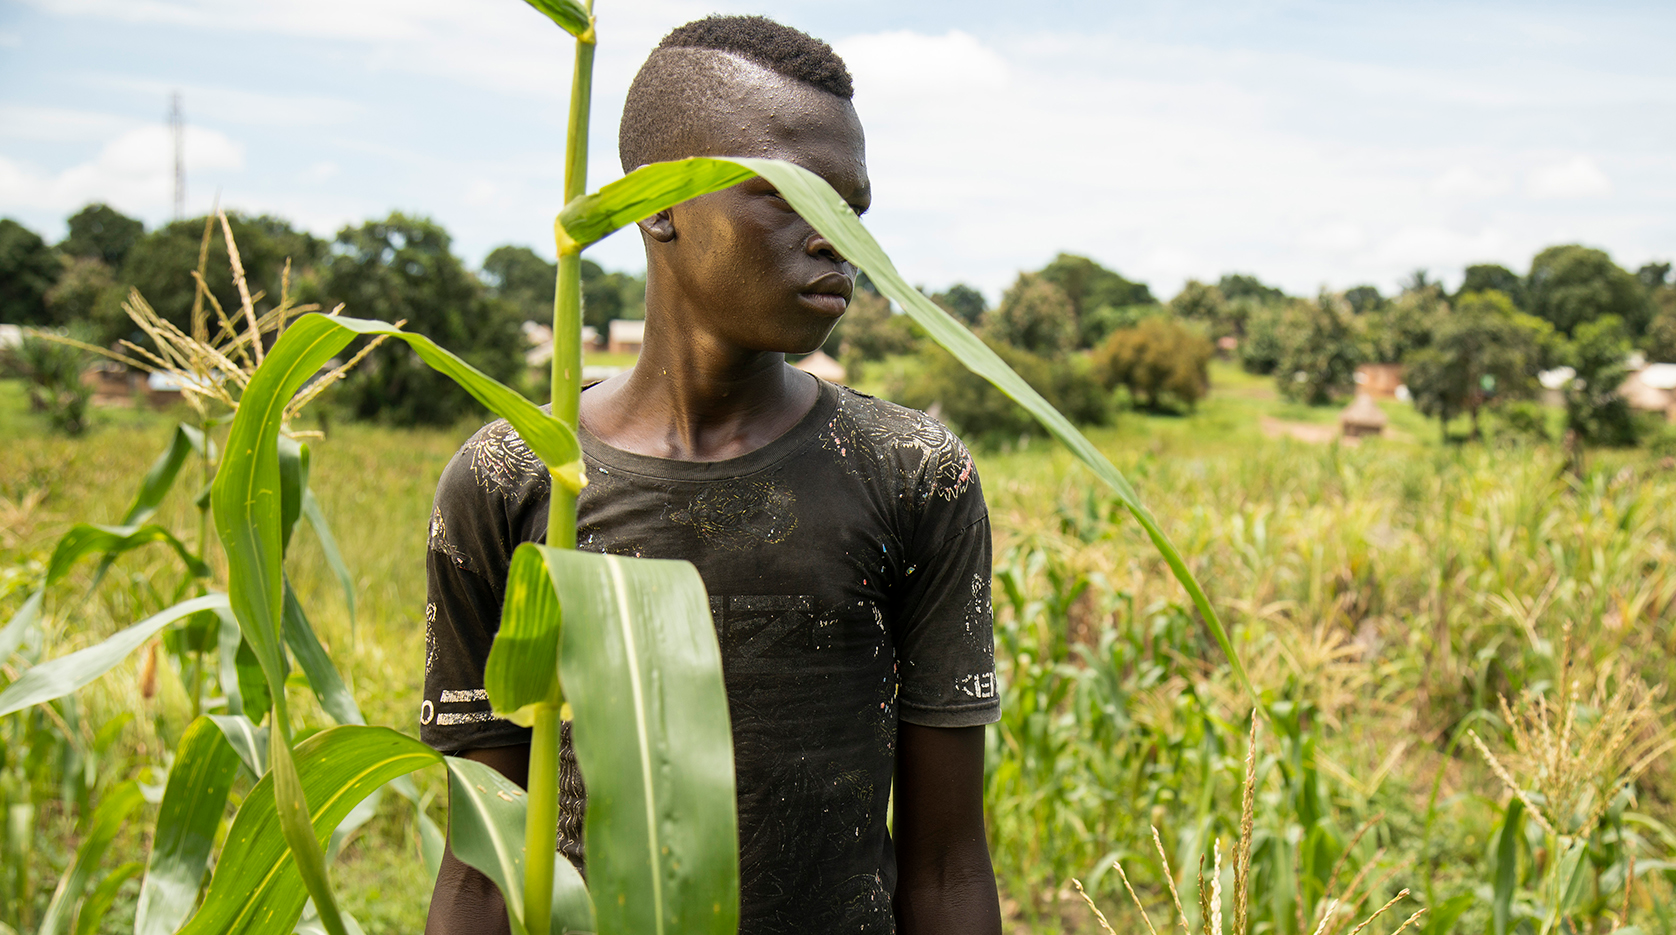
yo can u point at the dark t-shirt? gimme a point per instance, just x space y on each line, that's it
848 566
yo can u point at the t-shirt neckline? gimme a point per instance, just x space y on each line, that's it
792 440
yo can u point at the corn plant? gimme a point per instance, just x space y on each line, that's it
623 647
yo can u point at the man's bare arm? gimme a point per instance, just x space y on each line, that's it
945 882
465 902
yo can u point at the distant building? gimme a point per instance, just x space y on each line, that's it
1362 418
1652 389
1379 380
625 337
823 366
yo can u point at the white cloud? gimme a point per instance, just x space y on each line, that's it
1468 182
58 124
133 172
1577 177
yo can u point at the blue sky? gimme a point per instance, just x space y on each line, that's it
1312 144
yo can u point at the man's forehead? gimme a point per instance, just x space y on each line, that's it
745 108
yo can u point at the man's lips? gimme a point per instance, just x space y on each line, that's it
829 293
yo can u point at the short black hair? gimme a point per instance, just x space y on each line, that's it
657 117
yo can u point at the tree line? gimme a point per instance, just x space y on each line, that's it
398 268
1087 337
1079 331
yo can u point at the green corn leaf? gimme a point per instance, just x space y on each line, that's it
653 188
256 887
323 678
297 827
486 814
643 674
1573 876
63 675
21 625
247 490
643 193
247 741
227 644
184 441
1507 867
523 667
101 827
1441 919
329 548
193 802
293 480
98 902
570 15
86 539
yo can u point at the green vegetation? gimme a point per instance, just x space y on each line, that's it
1389 592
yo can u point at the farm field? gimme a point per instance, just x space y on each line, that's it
1384 596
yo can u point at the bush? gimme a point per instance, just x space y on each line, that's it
53 372
1158 359
1522 420
869 330
981 414
1318 350
1593 408
1034 316
401 268
1660 343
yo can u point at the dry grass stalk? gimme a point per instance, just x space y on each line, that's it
1216 889
1579 754
1242 847
1410 921
1098 915
1118 866
1170 878
205 367
1401 895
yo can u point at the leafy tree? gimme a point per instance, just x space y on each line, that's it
869 330
53 372
87 294
1483 277
1660 343
1261 347
1202 303
521 277
1599 351
1319 350
161 263
1101 322
401 268
1091 287
1483 349
1035 315
1653 275
1570 285
963 302
1364 299
1159 358
28 269
103 233
1242 286
980 413
1401 326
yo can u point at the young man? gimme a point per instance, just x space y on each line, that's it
844 540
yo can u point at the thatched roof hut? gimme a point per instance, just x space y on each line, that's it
1362 417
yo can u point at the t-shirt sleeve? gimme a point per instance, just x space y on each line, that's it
944 626
476 522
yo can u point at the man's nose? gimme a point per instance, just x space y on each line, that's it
816 244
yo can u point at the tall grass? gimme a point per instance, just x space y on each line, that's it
1385 597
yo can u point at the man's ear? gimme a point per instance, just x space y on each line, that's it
660 227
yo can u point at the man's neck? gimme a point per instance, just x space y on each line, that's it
691 397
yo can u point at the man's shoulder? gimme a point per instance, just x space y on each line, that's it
494 463
910 443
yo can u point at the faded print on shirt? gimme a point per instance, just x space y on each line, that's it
848 566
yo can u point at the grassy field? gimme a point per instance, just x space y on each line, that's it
1383 596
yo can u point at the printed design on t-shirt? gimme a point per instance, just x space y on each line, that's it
740 514
879 430
499 458
430 636
457 706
